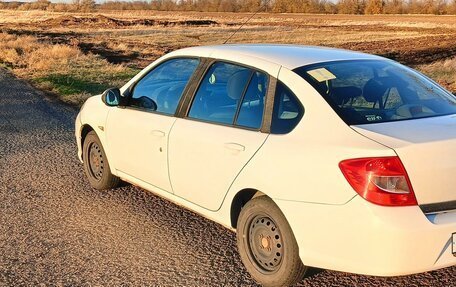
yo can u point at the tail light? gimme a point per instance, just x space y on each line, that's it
380 180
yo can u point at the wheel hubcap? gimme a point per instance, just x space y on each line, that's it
265 244
96 164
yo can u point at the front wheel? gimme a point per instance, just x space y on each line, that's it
267 245
96 164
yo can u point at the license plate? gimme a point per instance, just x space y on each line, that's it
454 244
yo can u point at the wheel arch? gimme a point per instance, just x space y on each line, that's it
239 200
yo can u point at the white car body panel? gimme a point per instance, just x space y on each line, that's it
94 114
283 159
297 156
427 147
335 228
364 238
139 141
206 159
78 135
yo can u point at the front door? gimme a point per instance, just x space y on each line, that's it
137 134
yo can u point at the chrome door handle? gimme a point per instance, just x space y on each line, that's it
157 133
235 146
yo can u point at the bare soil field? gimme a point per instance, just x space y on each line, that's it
135 38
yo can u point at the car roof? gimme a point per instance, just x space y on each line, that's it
288 56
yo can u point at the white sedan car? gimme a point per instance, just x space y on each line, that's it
315 156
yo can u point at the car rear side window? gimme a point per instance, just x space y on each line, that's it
164 85
230 94
287 111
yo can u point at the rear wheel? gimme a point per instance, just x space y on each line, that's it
267 245
96 165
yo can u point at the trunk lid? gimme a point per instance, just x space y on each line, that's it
427 148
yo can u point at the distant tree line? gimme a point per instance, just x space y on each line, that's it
438 7
74 6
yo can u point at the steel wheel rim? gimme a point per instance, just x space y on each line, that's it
265 245
96 162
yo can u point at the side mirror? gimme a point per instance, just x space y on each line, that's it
111 97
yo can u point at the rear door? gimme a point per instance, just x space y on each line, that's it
138 133
220 134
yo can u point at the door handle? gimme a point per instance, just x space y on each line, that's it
157 133
235 146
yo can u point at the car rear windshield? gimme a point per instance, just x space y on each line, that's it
373 91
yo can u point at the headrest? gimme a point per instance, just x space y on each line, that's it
341 95
374 90
236 84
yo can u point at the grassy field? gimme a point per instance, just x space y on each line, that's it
75 55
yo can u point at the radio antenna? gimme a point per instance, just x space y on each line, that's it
245 22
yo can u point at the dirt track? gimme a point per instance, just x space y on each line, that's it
56 230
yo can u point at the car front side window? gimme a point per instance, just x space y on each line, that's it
161 89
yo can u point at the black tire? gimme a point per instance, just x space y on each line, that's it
96 165
267 245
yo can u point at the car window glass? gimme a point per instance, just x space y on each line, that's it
374 91
219 93
164 85
251 110
393 99
287 112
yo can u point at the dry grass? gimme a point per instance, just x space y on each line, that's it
29 57
61 69
444 72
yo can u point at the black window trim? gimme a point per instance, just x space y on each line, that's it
208 64
129 92
269 105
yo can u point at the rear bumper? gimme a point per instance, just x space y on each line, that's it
364 238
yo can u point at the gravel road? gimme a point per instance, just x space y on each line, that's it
55 230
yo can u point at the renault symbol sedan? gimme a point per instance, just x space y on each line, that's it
314 156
